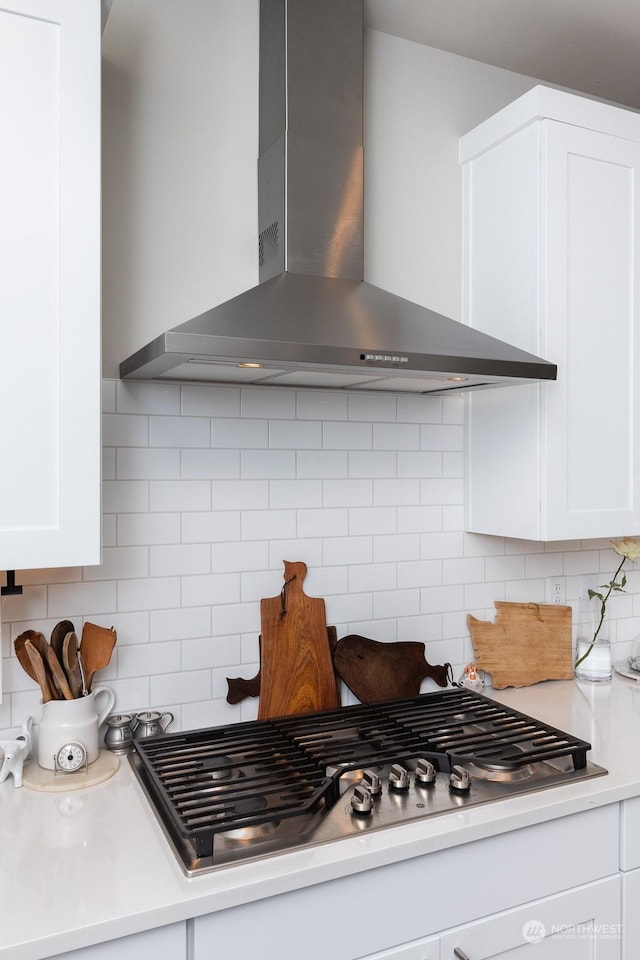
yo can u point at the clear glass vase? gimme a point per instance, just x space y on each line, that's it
593 659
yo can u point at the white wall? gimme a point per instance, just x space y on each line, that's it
180 109
208 489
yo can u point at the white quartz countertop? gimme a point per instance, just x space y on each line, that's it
89 865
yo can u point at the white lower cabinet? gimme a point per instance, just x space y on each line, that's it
580 924
163 943
558 880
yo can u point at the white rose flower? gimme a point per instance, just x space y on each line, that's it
628 547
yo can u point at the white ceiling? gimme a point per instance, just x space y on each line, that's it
592 46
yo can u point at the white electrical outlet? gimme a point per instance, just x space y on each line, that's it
556 591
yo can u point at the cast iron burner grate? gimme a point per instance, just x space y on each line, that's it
224 780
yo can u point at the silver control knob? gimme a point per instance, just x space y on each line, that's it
361 801
459 780
371 781
425 773
398 778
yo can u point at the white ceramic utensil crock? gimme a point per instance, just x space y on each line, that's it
78 721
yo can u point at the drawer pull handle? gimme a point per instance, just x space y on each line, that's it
460 954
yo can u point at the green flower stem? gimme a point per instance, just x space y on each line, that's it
603 603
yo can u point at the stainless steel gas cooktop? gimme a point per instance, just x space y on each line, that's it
225 795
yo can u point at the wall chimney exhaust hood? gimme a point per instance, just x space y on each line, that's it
312 321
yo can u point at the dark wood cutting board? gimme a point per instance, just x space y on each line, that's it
376 671
296 669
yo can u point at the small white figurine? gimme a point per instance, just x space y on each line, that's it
15 753
472 678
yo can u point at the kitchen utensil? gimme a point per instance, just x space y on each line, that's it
39 671
25 660
239 689
74 721
58 634
70 663
376 671
528 642
119 733
57 673
96 647
296 671
149 724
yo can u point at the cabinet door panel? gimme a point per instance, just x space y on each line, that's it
581 924
49 283
592 306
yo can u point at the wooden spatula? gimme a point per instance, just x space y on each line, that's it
96 648
70 663
58 634
39 672
26 661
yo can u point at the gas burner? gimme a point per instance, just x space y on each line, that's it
219 767
249 806
499 773
347 775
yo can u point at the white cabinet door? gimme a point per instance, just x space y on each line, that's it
164 943
552 224
581 924
49 283
631 915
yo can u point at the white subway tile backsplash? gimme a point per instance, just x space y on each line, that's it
180 624
295 493
321 405
147 398
179 432
148 528
148 659
210 464
69 600
268 524
120 563
211 589
145 463
209 400
125 496
159 593
396 436
180 560
179 495
239 557
209 489
295 435
347 436
322 463
273 404
280 464
372 407
240 494
124 431
239 434
211 526
323 523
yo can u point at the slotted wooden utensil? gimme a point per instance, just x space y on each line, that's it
96 647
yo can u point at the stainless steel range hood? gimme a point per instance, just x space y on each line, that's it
312 320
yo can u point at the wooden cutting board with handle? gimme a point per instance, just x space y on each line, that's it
528 642
296 669
376 671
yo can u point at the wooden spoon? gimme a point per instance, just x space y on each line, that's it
59 676
39 671
26 662
58 634
70 663
96 648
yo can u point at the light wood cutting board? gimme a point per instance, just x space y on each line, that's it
528 642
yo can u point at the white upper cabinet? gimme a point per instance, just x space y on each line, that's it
49 283
552 241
